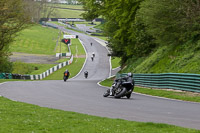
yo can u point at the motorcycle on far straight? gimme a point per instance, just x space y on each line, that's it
121 87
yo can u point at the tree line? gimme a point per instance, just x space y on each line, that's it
136 27
17 15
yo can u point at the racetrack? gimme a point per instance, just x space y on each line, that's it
85 96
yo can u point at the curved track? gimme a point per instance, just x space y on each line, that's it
85 96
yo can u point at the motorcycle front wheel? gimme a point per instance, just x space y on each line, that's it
107 93
65 79
119 92
128 95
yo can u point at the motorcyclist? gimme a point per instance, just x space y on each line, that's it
93 54
128 78
86 74
66 74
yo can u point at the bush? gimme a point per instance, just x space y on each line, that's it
6 65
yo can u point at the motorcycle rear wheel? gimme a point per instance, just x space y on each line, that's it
120 93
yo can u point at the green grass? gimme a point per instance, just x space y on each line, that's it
70 6
62 60
36 40
33 68
99 26
30 68
186 96
76 47
67 13
18 117
73 68
183 58
115 61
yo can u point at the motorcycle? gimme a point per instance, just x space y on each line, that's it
120 88
66 76
86 74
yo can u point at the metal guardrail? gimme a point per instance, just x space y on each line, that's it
177 81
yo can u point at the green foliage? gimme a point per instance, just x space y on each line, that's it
183 58
5 65
120 16
23 117
13 19
171 21
92 8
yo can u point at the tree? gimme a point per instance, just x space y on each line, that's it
127 35
92 8
47 9
171 21
13 19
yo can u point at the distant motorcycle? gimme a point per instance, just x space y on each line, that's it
66 75
86 74
121 87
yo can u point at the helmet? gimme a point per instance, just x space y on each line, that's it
130 74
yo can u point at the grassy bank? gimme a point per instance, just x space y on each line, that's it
115 62
36 40
22 117
186 96
183 58
30 68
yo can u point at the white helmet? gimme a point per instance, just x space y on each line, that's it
129 74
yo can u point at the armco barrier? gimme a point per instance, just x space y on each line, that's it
178 81
5 76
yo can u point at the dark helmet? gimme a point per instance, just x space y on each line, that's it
130 74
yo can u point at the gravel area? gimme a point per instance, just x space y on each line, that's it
33 58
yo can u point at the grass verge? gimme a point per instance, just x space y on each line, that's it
22 117
185 96
73 68
8 80
30 68
115 61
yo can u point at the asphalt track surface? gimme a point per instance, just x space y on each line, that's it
85 96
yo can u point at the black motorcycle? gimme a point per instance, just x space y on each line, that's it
86 74
66 76
121 87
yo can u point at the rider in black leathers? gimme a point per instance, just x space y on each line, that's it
66 74
128 78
